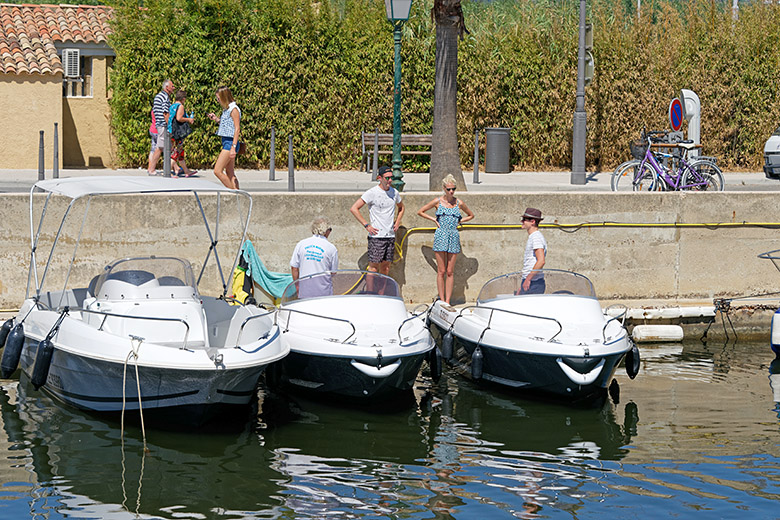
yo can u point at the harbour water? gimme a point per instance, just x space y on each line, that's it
695 434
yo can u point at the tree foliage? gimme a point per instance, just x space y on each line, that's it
324 71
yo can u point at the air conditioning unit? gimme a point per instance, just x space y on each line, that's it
71 63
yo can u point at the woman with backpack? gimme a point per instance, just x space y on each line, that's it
179 129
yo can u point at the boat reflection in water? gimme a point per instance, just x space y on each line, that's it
460 442
81 468
455 448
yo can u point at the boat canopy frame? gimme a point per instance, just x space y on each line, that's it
77 188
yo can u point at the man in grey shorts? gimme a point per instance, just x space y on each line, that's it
160 107
382 200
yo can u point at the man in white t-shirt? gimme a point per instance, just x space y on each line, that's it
382 200
315 255
535 254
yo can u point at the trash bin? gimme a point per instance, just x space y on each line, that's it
497 150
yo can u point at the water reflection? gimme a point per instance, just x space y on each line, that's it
696 430
80 466
441 456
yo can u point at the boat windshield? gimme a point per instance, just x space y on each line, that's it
555 282
161 271
341 283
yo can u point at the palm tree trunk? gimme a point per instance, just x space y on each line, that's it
445 158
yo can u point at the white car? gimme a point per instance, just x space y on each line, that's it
772 156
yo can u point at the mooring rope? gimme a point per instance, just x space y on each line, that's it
134 354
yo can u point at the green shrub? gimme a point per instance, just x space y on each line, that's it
324 71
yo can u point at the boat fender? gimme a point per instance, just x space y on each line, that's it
4 330
434 360
632 361
476 363
446 345
42 363
12 352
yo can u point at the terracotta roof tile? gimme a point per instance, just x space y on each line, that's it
29 33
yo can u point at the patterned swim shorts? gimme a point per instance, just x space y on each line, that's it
381 249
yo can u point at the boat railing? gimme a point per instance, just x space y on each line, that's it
621 317
247 320
107 315
493 309
414 315
287 326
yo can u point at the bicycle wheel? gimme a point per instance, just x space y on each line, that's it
626 169
709 167
695 180
628 177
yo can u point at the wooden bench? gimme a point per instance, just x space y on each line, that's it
384 146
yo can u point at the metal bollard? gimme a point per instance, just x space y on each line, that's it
272 165
41 174
476 156
56 167
290 166
167 154
376 155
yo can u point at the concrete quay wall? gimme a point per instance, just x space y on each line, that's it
624 262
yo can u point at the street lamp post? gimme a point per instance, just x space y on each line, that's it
580 117
397 13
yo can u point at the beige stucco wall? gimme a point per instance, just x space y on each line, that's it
87 137
30 103
628 263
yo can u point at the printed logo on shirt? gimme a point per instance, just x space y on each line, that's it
314 253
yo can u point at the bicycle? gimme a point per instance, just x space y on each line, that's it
645 173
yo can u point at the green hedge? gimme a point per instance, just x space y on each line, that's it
324 72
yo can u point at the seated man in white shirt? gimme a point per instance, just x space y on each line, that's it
315 255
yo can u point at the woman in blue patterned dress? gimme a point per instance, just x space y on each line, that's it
446 239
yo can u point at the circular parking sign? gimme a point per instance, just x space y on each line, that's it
676 114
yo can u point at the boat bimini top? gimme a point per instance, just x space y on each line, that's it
77 188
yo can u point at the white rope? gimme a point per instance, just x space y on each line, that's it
134 354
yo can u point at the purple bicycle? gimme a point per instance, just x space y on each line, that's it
647 173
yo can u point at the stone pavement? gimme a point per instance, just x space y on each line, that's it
16 181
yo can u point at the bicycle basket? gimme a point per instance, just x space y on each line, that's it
638 148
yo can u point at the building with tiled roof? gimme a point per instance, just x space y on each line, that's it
54 64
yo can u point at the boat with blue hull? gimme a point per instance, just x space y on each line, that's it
140 335
351 337
559 344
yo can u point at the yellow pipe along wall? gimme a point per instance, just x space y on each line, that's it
672 246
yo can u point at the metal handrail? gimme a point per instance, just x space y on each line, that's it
247 320
414 315
621 315
491 309
107 315
354 330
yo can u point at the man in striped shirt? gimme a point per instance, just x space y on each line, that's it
160 108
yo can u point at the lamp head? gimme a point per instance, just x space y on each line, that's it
398 10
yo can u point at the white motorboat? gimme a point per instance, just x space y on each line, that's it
351 336
141 326
774 330
558 344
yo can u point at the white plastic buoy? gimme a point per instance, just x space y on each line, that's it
655 333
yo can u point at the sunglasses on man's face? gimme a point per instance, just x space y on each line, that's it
387 177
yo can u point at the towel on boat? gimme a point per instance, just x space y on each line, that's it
272 282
